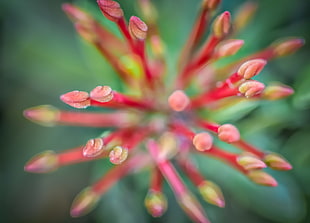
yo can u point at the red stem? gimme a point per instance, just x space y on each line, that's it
120 100
117 172
156 180
249 148
75 156
92 119
191 171
231 158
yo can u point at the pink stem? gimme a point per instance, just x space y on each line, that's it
230 158
117 172
92 119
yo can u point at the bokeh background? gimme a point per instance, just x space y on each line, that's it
42 57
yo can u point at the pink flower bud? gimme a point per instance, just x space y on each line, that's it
230 47
118 155
275 92
44 115
76 99
203 141
228 133
178 100
42 163
277 162
212 193
251 88
221 25
262 178
93 147
84 202
250 162
288 46
102 94
137 28
251 68
110 9
155 203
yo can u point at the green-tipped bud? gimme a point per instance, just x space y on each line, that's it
230 47
168 145
244 15
156 203
131 64
251 88
42 163
262 178
287 46
277 162
192 207
275 92
84 202
210 4
118 155
211 193
44 115
250 162
221 25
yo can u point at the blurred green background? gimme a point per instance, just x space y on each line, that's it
42 57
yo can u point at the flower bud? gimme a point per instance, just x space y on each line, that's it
76 14
277 162
210 4
102 94
251 68
251 88
76 99
230 47
178 100
288 46
275 92
228 133
138 29
211 193
262 178
168 145
84 202
42 163
118 155
250 162
192 207
93 147
44 115
244 15
221 25
203 141
155 203
110 9
148 10
157 46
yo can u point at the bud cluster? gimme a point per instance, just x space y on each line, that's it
161 123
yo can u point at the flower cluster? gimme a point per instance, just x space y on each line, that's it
157 124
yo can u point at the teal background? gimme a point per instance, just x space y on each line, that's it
42 57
